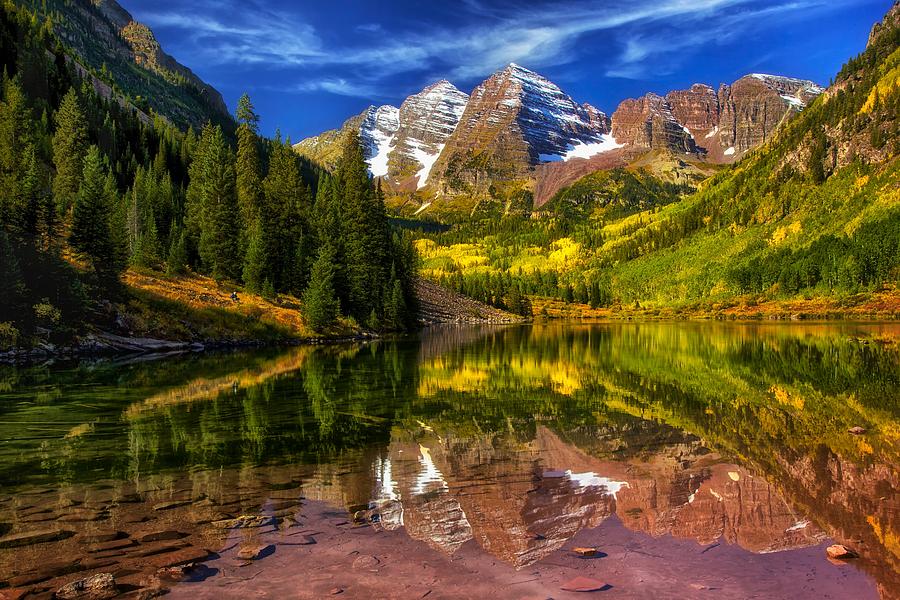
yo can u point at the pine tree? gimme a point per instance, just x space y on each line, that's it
91 234
321 306
176 262
69 149
15 147
219 230
247 167
285 219
396 314
365 231
256 262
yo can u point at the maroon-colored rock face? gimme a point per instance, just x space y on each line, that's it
696 108
649 122
721 126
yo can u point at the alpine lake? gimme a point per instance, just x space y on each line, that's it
628 460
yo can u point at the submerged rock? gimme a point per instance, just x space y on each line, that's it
583 584
34 537
840 551
95 587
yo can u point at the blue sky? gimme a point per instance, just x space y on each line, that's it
309 65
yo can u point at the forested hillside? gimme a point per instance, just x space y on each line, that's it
815 213
89 188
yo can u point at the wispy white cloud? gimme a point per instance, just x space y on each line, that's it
646 32
333 85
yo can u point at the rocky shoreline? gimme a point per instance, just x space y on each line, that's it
106 345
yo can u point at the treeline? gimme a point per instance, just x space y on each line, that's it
869 256
89 186
511 292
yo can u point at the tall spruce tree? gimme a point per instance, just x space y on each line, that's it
321 305
91 233
257 269
364 232
15 147
219 228
70 143
285 219
247 167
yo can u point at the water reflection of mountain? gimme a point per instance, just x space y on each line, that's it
518 437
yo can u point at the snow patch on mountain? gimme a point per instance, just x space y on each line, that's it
550 120
587 150
794 101
584 149
781 81
427 160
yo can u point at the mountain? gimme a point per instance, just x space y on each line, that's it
690 129
514 120
427 120
125 59
519 138
400 144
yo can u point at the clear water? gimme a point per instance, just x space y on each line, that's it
508 440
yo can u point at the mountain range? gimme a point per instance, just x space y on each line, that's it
519 130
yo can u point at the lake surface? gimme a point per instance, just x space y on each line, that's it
700 460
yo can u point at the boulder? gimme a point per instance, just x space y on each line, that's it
95 587
841 552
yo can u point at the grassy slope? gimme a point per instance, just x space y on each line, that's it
194 307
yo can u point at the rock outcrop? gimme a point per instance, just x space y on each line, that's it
719 126
649 122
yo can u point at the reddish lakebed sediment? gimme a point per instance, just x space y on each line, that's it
314 532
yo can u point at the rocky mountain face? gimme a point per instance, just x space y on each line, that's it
513 121
427 120
102 33
400 144
719 126
649 122
444 138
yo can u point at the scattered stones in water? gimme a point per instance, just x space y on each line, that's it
100 536
95 587
840 552
255 551
857 430
28 538
583 584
